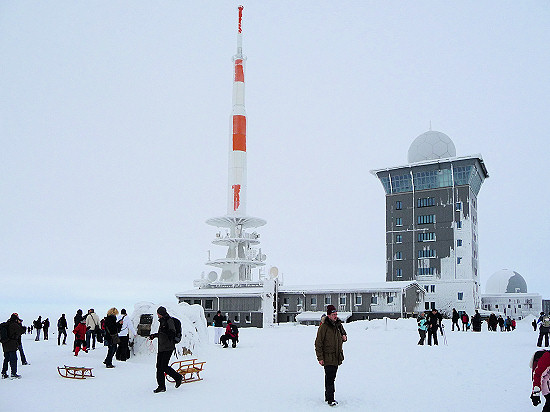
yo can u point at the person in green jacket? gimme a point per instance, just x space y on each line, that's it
328 348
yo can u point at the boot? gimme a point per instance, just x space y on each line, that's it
76 350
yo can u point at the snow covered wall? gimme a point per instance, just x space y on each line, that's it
193 326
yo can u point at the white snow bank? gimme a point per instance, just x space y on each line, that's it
193 326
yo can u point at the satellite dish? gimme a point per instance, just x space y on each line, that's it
273 272
212 276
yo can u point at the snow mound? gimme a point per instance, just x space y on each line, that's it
193 327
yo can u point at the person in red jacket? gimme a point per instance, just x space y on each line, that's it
231 332
540 365
80 337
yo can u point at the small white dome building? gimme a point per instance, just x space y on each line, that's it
431 145
506 292
506 281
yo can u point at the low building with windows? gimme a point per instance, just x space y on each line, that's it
259 305
546 306
506 292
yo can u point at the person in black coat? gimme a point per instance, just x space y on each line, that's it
10 346
434 323
45 327
112 327
455 318
476 322
62 329
38 326
166 344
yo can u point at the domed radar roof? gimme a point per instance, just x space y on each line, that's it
506 281
431 145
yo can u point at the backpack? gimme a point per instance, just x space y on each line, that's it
538 354
234 329
177 324
4 337
546 322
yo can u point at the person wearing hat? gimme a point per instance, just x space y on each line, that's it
328 349
11 344
231 332
166 345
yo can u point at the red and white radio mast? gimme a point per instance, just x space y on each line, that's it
241 258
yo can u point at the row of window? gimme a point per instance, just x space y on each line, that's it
426 253
425 271
425 202
399 239
426 237
425 219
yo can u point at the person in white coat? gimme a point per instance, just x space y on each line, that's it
123 350
92 322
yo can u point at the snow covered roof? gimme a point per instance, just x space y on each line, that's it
351 287
316 316
221 292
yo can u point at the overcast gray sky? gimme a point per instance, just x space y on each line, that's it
115 124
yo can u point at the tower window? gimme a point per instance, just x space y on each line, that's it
398 272
398 205
398 255
398 238
459 242
398 221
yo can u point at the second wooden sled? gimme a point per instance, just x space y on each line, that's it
189 369
75 372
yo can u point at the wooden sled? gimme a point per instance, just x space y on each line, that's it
74 372
189 369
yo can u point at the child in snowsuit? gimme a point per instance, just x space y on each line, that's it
80 337
540 366
422 327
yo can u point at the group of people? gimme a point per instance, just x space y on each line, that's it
113 330
494 322
231 331
41 325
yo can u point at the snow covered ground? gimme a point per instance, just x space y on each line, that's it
275 369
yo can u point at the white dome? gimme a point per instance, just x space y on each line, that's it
506 281
431 145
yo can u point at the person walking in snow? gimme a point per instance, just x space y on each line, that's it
166 336
434 324
328 349
465 322
112 327
544 329
540 369
123 350
92 323
422 327
38 326
10 345
218 326
80 337
455 318
62 329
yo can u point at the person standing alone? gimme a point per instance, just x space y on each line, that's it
218 327
328 349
